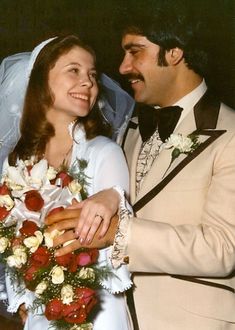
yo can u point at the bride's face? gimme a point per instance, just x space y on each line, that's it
73 84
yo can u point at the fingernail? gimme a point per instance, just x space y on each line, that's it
81 240
88 241
77 234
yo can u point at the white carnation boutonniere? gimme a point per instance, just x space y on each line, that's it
181 145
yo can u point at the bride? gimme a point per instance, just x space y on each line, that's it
62 121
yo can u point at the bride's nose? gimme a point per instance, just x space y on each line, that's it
85 80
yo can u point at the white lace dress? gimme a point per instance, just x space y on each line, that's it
106 168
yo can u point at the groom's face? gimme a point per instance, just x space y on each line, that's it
149 80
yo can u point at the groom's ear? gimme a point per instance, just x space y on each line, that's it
174 56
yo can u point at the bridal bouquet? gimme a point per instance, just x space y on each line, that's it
64 287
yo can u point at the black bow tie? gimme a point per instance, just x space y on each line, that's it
163 119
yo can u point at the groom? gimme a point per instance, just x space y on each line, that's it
180 244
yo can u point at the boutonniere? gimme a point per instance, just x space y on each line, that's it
181 145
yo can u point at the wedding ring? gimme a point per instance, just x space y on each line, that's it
100 216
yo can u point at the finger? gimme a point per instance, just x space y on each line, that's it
86 216
104 227
63 225
90 224
75 205
67 236
63 215
68 248
88 234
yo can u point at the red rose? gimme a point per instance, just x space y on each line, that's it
68 260
74 312
56 210
53 310
3 213
31 273
87 258
87 296
41 257
29 227
73 264
33 200
4 190
64 260
65 178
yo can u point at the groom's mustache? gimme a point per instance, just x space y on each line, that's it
134 76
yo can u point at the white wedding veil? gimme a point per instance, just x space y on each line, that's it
116 105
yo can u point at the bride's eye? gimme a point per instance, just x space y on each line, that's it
74 70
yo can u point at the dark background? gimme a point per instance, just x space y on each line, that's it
24 24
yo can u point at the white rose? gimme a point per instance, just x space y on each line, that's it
11 261
50 236
87 274
13 186
178 141
40 288
185 144
75 187
67 294
57 275
51 173
173 141
33 242
4 243
7 202
18 258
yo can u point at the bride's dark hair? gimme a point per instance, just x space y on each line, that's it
35 130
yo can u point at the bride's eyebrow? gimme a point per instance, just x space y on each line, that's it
73 63
78 64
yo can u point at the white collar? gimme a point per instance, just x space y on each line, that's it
190 100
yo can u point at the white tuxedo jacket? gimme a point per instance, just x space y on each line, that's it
187 229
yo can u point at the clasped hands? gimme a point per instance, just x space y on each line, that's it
90 223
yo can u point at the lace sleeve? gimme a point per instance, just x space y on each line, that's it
120 241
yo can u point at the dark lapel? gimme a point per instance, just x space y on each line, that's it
206 113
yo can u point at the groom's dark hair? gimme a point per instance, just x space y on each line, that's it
171 24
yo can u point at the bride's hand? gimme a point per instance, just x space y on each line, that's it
96 211
87 216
